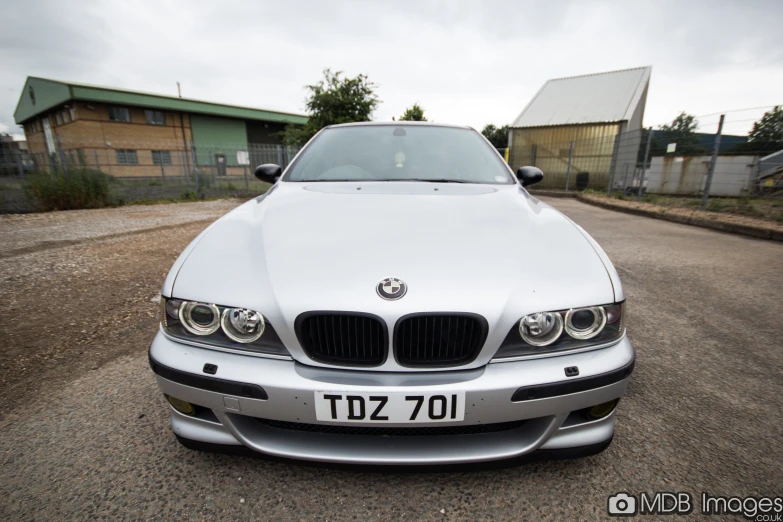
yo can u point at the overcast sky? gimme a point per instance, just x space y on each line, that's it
473 62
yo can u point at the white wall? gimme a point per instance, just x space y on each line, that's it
733 175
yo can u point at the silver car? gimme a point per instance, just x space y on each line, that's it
397 297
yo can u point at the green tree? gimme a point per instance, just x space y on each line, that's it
497 136
335 99
769 127
413 113
681 131
765 137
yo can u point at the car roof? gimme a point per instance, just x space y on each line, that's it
398 124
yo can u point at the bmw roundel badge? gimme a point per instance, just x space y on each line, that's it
391 288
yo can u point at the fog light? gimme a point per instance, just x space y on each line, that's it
181 406
599 411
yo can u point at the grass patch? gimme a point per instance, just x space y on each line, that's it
769 209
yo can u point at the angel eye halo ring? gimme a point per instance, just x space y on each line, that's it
199 318
585 323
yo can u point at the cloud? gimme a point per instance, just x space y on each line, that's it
464 62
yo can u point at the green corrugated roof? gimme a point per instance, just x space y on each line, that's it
50 93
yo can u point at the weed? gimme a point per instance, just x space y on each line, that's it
79 188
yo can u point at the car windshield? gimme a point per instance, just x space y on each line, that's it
400 153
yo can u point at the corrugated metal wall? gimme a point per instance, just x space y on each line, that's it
548 149
40 95
218 136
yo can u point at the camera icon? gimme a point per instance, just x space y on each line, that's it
622 505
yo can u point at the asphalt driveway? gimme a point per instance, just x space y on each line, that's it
84 431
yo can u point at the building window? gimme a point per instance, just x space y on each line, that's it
161 157
127 157
72 111
66 117
58 119
119 114
155 117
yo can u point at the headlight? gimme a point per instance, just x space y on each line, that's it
219 326
542 328
562 330
242 325
199 318
585 323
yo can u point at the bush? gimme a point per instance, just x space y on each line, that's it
80 188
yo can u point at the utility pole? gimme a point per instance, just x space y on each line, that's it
179 90
644 165
713 161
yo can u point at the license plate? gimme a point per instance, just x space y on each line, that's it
398 408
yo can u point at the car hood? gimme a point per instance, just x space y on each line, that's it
491 250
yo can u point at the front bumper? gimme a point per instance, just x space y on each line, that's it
235 395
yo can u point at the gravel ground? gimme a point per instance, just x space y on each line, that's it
84 432
25 233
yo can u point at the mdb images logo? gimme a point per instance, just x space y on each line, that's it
624 505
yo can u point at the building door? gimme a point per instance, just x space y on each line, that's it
220 160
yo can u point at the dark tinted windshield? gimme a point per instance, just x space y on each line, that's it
393 153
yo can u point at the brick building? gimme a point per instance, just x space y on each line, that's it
129 133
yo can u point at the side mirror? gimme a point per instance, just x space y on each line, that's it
269 172
529 175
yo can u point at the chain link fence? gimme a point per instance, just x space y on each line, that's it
631 165
145 170
659 162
